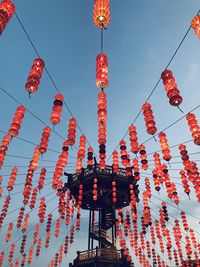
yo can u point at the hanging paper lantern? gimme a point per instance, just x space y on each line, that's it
57 230
101 71
2 255
143 157
196 25
3 148
60 256
136 169
114 191
62 162
78 219
71 234
30 255
66 245
7 9
185 182
171 88
149 119
11 254
194 127
80 196
164 146
101 13
17 121
95 189
72 131
45 140
1 189
57 109
35 159
9 232
133 139
36 233
39 244
42 210
115 162
28 186
80 154
4 210
23 244
25 225
90 158
124 155
42 178
184 221
20 217
33 198
35 75
12 179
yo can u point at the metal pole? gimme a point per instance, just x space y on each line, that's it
89 230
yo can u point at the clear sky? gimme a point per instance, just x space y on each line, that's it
139 42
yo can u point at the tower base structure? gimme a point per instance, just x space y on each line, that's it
97 257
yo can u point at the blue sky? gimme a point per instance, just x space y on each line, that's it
139 42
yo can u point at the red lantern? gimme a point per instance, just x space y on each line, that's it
17 121
57 109
60 256
136 169
12 250
28 186
80 196
95 189
196 25
133 139
185 182
30 255
42 210
149 119
101 71
23 244
2 255
36 233
7 9
45 140
42 178
39 244
35 75
20 217
81 154
1 189
143 157
194 127
114 192
72 131
35 159
3 149
115 162
66 245
101 13
90 158
4 210
9 232
11 182
171 88
57 230
164 146
25 225
124 155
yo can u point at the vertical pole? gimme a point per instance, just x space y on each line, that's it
99 228
113 224
92 226
89 230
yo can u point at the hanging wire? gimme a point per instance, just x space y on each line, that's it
157 83
47 71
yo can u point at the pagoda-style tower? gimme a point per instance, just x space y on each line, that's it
102 249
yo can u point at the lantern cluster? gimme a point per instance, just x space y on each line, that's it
9 232
101 13
30 255
90 157
143 157
3 148
42 178
95 189
48 230
133 139
12 179
20 217
57 109
62 162
1 189
81 154
72 131
4 210
114 191
25 224
115 162
35 159
194 127
125 158
171 88
102 119
35 75
7 9
23 244
42 210
101 71
45 140
80 195
149 119
17 121
57 230
11 254
28 186
66 245
185 182
36 234
136 169
196 25
164 146
39 245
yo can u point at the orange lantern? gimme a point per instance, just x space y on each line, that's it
133 139
171 88
25 225
17 121
136 169
4 210
42 210
45 140
42 178
57 230
80 154
57 109
164 146
36 233
143 157
101 13
90 158
95 189
80 196
194 127
12 179
149 119
72 131
115 162
30 255
20 217
114 191
101 71
9 232
39 244
3 148
196 25
7 9
35 75
12 250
